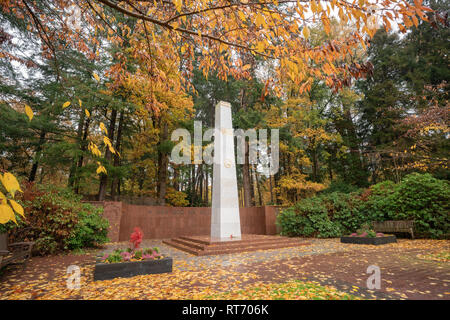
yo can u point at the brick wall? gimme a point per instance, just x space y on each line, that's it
160 222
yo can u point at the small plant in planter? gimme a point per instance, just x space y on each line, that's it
132 261
366 235
135 253
136 237
124 255
366 231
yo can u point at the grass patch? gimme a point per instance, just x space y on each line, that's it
291 290
437 256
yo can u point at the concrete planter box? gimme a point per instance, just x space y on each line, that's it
106 271
366 240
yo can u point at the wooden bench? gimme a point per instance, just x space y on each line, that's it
18 252
395 226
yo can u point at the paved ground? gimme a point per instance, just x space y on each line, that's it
185 261
404 274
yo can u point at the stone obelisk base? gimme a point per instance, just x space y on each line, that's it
205 246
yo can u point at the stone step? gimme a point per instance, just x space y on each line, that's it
196 240
181 247
235 244
248 249
196 247
245 241
253 244
189 243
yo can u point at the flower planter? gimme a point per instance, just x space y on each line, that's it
106 271
369 240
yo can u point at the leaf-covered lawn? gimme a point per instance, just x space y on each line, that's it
437 256
203 285
291 290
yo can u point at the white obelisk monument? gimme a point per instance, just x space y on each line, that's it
225 220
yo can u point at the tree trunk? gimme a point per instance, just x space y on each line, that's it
246 178
163 163
192 186
206 186
252 185
271 189
175 182
73 168
108 154
330 171
34 167
258 189
81 158
276 179
115 182
200 180
315 166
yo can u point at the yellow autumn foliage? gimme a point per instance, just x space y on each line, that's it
176 198
8 206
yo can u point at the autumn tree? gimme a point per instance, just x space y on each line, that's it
405 101
122 63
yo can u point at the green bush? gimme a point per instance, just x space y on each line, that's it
426 200
57 220
418 197
91 229
327 215
378 202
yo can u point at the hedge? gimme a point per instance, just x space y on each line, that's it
418 197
